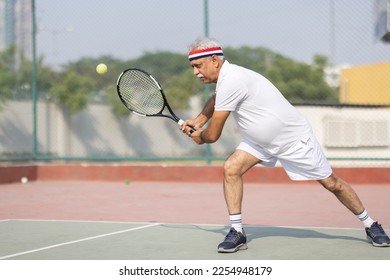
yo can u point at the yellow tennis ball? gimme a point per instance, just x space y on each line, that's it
101 68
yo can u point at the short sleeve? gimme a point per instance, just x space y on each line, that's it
229 94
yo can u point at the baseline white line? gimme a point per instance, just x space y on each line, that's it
75 241
186 224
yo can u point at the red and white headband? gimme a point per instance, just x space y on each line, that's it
195 54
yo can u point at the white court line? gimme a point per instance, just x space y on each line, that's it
186 224
76 241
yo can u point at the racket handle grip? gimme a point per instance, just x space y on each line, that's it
180 122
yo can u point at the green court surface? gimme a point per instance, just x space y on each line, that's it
94 240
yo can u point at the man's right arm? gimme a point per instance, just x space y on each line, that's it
206 114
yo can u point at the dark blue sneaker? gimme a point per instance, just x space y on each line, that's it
377 236
233 242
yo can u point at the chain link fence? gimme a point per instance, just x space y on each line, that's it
54 106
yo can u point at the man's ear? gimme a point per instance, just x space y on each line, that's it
216 61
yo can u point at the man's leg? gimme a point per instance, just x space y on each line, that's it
347 196
235 166
343 191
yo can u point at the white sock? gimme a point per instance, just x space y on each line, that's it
365 218
236 221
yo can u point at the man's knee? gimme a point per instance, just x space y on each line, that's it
238 163
334 184
231 168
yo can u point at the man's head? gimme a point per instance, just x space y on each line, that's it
206 58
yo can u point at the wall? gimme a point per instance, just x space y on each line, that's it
344 132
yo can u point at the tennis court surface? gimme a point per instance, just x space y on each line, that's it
85 220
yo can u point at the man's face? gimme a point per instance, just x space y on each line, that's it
206 69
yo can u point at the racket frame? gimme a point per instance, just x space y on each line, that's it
172 115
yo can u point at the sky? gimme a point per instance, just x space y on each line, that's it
126 29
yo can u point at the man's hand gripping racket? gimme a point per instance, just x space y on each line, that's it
142 94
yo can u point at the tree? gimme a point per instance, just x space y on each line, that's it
162 65
77 82
180 88
7 82
116 104
72 90
301 82
16 76
298 82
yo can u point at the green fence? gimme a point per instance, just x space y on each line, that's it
54 106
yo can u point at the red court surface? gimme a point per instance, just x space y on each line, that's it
290 204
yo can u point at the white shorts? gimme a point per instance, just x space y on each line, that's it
303 160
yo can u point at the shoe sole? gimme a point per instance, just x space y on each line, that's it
233 250
377 244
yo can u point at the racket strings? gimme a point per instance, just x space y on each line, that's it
140 93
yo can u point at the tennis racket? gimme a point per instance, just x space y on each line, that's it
142 94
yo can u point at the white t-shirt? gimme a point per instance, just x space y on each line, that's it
263 116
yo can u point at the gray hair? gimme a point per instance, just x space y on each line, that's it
202 43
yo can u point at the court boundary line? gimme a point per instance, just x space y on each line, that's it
77 241
165 223
194 224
